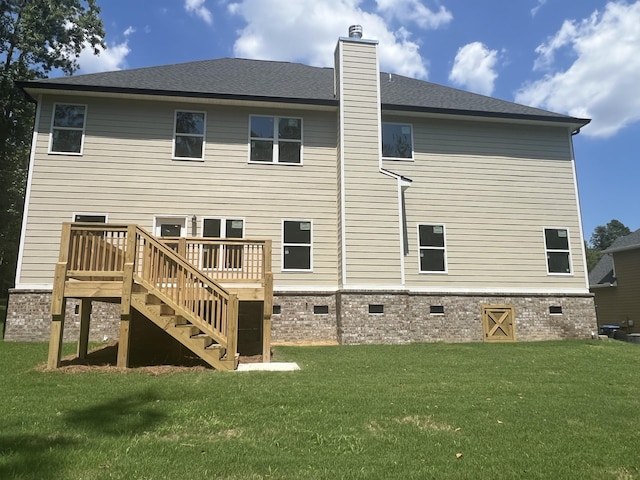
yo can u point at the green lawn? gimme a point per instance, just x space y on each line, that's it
552 410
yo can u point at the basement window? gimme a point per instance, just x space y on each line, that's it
320 309
376 308
436 310
276 310
555 310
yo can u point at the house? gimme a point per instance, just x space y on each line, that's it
398 210
615 282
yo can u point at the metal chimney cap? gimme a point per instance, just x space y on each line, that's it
355 31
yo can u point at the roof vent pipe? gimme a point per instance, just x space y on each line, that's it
355 31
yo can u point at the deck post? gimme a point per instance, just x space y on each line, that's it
125 300
232 328
85 319
55 342
267 276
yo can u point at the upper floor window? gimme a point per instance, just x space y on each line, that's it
275 139
556 242
296 245
188 140
397 141
67 128
431 239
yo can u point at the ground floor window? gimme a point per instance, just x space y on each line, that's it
296 245
432 248
170 227
556 242
90 217
214 256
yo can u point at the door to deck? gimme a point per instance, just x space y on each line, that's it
498 323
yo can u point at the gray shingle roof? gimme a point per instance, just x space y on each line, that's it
288 82
627 242
602 273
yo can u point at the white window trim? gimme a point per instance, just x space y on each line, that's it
90 214
223 236
275 154
568 250
444 248
175 134
50 150
156 225
223 225
310 245
398 159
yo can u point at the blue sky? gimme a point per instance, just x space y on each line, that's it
574 57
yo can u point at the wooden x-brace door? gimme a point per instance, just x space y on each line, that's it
498 323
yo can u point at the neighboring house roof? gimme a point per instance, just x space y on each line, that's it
235 78
628 242
602 273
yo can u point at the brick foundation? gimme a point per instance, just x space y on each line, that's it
406 317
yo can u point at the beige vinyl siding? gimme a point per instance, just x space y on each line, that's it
371 200
127 172
617 305
495 187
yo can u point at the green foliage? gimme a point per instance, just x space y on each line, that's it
525 410
604 235
593 256
36 37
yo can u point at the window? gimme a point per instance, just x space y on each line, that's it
376 308
276 310
555 310
397 141
296 245
188 140
557 249
67 128
321 309
90 218
436 309
170 226
228 255
432 248
275 139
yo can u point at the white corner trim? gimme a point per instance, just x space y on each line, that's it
27 196
579 210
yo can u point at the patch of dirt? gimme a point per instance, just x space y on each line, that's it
104 359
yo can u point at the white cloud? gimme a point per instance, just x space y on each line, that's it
111 58
602 81
415 11
197 8
310 29
474 68
535 9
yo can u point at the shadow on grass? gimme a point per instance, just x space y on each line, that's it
126 415
33 456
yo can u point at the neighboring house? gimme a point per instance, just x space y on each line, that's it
615 282
399 210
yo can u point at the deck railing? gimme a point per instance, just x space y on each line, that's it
225 260
181 272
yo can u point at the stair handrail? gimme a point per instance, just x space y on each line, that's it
222 330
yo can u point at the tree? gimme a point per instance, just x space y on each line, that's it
604 235
36 38
593 256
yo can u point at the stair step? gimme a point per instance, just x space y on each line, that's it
188 330
203 339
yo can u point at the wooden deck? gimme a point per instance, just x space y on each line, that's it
189 287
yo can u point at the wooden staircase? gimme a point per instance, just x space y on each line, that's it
162 281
